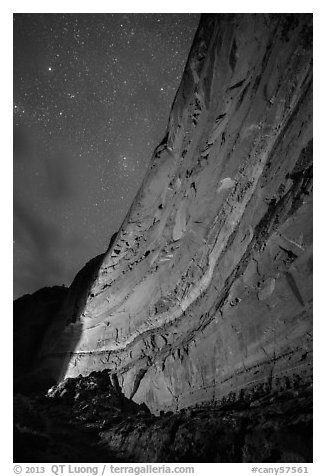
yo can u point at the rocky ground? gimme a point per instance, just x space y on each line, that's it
87 419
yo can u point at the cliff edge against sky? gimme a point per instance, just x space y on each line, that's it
207 288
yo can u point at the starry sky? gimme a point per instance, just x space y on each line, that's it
92 95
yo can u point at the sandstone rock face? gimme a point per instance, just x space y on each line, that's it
207 287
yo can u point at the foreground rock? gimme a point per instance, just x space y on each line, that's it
88 420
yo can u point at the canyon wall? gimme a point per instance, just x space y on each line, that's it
206 290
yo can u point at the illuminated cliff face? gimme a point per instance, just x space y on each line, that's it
207 287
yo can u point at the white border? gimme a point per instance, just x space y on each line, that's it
168 6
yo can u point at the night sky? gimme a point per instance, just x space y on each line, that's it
92 95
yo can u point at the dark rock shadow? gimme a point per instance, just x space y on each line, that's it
33 314
46 320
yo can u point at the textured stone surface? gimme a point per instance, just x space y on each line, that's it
87 419
207 287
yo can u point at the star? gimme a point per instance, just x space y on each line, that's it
86 129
